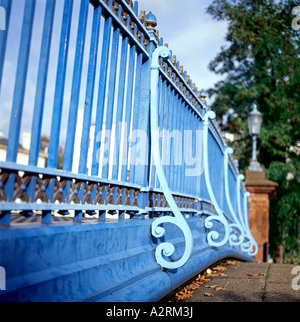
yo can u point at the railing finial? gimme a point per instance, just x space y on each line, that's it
151 21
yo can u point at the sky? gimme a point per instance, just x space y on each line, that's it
193 36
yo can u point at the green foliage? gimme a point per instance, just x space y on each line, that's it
261 64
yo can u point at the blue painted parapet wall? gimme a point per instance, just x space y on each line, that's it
104 262
138 191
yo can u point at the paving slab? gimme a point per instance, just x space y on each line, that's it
279 285
249 282
237 285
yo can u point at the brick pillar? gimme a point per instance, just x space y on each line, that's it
261 191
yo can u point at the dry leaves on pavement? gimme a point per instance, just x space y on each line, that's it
254 274
187 291
217 287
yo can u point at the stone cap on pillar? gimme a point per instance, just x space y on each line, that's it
256 182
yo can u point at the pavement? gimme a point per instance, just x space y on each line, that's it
243 282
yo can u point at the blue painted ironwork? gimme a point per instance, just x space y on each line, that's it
90 90
41 88
234 239
18 102
249 246
6 4
73 111
166 249
166 163
213 235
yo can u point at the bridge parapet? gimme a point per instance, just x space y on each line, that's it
144 181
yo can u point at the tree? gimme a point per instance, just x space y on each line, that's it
261 64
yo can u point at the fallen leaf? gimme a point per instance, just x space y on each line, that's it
252 274
219 268
184 294
211 286
233 263
208 295
203 279
216 287
219 288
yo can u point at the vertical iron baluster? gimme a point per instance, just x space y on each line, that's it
6 4
194 145
120 106
182 166
40 98
152 165
90 87
177 154
178 142
200 162
41 83
176 145
73 111
19 91
183 148
110 101
189 147
141 176
60 85
129 100
169 131
172 142
135 115
165 130
162 107
101 94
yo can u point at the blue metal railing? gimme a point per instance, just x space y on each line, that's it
177 168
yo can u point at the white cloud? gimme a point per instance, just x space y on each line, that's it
193 36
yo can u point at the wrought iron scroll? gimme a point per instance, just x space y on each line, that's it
234 240
165 249
212 235
251 246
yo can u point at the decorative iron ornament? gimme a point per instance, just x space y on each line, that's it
251 246
165 249
234 240
212 235
247 246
